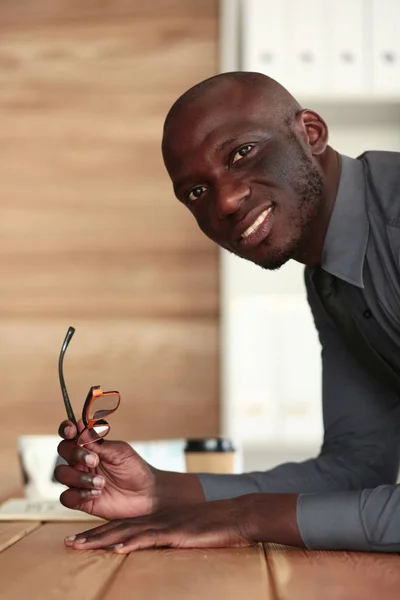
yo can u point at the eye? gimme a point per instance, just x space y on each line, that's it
242 152
196 192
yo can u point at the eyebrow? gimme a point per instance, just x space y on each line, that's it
244 132
221 147
180 184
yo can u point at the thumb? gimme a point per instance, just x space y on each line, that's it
114 452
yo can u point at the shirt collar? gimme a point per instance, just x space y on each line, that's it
347 235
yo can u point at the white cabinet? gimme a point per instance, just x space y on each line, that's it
346 72
263 32
305 46
273 369
325 49
386 47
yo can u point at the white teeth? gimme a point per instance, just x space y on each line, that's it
256 223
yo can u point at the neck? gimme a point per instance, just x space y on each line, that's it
311 252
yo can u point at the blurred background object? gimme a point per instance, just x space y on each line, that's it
91 234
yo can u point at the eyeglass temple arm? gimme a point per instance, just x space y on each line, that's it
70 412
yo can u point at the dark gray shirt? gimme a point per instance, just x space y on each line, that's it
347 495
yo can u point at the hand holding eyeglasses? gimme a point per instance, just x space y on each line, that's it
108 480
111 480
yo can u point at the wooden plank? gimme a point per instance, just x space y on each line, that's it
50 570
11 532
302 575
181 574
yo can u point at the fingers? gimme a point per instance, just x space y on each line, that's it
75 455
98 537
78 479
91 533
67 430
85 486
76 499
123 537
152 538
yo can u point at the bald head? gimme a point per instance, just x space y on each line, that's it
274 98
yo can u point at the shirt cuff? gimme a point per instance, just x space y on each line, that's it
222 487
331 521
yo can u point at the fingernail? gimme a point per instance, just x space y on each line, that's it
70 538
91 460
86 493
80 541
98 481
68 431
118 546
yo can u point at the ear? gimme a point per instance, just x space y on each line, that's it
313 130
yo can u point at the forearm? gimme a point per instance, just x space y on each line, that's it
327 473
358 467
177 489
272 518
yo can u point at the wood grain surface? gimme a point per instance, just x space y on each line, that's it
91 234
215 574
305 575
35 564
47 569
11 532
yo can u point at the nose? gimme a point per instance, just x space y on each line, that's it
230 195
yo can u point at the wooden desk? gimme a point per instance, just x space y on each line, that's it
35 564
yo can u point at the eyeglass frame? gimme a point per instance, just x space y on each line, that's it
96 392
90 398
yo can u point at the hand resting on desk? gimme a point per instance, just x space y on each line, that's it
242 521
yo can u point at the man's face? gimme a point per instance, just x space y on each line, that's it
248 182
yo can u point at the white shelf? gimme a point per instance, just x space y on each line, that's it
323 49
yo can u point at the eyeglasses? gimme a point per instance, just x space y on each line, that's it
98 404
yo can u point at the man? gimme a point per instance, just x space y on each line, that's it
258 175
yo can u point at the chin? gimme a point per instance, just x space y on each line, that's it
269 264
273 259
274 256
273 266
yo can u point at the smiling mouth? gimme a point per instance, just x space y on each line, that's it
257 223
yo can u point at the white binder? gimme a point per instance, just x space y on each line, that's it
347 40
263 38
386 47
305 47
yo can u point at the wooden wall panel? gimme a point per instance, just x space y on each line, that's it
91 234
